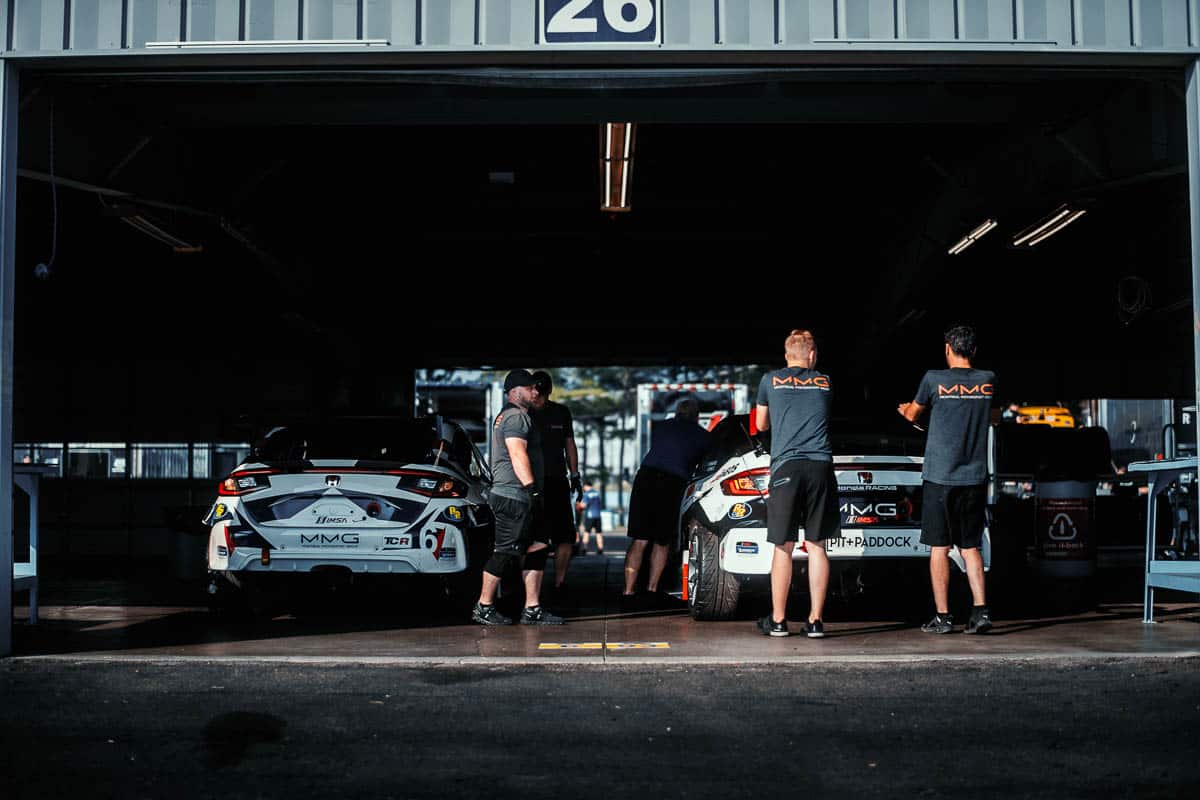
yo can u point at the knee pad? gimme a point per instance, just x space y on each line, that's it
499 563
536 561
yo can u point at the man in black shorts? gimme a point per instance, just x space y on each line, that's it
795 402
954 504
556 524
675 449
514 499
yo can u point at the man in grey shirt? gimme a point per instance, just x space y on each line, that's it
515 496
794 403
954 493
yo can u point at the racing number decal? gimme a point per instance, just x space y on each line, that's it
434 540
601 21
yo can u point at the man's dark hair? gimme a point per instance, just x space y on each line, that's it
543 382
961 339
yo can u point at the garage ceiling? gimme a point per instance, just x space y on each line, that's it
451 218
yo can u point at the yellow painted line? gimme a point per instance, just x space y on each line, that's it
570 646
602 645
638 646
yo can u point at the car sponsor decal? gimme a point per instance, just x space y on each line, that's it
747 548
454 513
432 540
327 539
222 551
859 541
397 541
740 511
448 554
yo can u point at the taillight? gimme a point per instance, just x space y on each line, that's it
432 485
754 482
244 482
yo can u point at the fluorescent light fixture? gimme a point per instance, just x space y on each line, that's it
1054 222
616 163
973 237
267 43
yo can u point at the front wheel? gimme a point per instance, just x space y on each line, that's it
712 592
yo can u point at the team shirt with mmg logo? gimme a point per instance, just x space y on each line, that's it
798 402
960 403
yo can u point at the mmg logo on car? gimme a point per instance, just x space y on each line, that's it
318 539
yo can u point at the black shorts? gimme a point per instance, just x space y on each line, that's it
592 525
953 515
556 522
514 528
654 506
804 494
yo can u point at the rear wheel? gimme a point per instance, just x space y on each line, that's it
712 592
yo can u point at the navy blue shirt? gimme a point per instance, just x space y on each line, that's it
798 401
676 445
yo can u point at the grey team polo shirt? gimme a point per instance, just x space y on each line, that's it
513 423
960 404
798 401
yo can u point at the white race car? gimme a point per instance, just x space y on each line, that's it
723 518
351 497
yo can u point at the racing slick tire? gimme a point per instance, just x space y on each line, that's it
712 592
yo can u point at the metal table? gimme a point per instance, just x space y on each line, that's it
1183 576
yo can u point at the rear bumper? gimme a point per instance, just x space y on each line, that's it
746 551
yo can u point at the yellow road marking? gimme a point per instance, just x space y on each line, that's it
638 645
602 645
570 645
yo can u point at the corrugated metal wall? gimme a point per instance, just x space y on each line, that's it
1106 25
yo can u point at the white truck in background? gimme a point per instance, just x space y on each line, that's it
656 402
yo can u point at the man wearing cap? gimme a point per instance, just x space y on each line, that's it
556 523
657 492
515 495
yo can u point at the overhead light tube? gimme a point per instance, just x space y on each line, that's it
1054 222
616 164
972 237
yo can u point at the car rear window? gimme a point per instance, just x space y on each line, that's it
401 441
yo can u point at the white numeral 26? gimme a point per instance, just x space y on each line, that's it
568 20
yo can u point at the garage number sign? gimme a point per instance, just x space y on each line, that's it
601 21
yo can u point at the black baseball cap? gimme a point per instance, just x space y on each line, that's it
543 381
518 377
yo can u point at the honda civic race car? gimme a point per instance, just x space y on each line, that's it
723 516
374 496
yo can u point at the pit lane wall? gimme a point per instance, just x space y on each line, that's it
634 26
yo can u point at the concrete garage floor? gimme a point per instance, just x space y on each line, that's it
164 619
129 689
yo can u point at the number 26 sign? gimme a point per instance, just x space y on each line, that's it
601 21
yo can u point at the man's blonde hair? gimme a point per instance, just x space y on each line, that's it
798 345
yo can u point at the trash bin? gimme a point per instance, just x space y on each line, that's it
1064 535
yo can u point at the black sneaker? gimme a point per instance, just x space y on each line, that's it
814 630
941 623
536 615
488 615
980 621
770 627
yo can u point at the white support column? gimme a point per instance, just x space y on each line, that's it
1192 99
8 232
